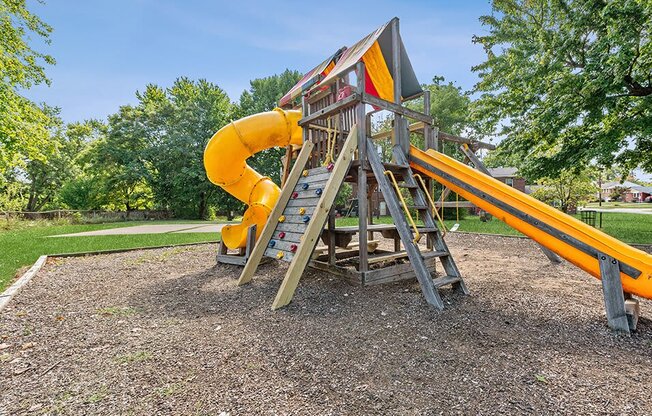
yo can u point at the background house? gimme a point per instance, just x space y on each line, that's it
509 176
633 192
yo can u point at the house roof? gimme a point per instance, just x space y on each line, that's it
503 172
625 184
644 189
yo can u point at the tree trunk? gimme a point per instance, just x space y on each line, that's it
202 206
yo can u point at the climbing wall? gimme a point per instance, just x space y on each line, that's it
298 212
297 220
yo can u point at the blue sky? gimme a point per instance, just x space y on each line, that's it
107 50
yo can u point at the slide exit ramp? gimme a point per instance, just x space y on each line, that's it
570 238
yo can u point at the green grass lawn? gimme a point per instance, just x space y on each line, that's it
630 228
22 245
25 242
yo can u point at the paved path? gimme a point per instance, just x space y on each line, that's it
152 229
621 210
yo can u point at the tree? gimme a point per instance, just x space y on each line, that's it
85 187
264 93
178 122
567 82
618 193
23 125
119 161
567 190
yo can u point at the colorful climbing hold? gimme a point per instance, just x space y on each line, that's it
295 195
281 218
302 211
305 186
279 255
293 248
281 234
330 167
272 243
306 218
305 173
318 191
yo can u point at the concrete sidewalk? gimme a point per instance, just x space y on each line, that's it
152 229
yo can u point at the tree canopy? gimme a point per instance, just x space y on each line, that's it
567 83
23 124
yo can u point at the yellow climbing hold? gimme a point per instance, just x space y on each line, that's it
302 211
279 255
281 218
305 173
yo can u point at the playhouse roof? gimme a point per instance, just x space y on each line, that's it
312 77
375 50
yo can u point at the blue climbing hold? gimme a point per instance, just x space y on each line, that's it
318 191
272 243
306 218
305 186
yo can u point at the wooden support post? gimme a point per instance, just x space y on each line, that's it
272 221
402 138
361 120
427 143
251 240
612 289
331 238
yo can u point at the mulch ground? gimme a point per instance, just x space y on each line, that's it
167 332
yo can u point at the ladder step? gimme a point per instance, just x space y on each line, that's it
427 229
445 280
430 254
417 207
396 168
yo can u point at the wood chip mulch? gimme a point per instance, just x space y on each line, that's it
166 331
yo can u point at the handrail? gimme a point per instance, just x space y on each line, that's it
417 236
432 203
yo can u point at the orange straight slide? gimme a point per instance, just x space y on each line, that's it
572 239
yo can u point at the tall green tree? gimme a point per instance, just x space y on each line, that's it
568 82
119 161
567 190
23 125
179 122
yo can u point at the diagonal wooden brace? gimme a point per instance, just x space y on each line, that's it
612 289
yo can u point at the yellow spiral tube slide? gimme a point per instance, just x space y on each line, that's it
225 161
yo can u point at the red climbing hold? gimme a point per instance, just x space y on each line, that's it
293 248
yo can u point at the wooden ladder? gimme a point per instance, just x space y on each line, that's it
296 222
409 236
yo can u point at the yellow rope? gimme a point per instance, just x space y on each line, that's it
330 142
417 236
432 203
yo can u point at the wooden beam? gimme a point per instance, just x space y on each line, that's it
317 221
331 109
396 108
363 206
612 289
259 249
458 139
419 125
